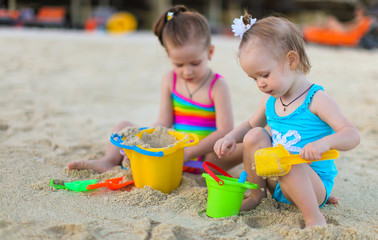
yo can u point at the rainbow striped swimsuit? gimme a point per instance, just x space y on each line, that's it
193 117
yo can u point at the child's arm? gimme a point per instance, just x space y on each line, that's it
165 118
346 136
227 144
224 120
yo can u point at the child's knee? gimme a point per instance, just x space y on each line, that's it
122 125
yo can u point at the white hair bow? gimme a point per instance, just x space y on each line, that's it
239 28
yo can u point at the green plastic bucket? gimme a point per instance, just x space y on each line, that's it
225 193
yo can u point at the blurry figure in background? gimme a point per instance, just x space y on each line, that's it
193 98
370 39
336 33
332 23
27 17
99 19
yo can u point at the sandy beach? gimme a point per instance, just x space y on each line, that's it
61 93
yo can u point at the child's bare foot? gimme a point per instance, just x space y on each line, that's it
318 221
101 165
332 200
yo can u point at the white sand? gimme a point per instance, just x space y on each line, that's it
62 93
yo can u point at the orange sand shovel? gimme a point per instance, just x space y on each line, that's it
113 184
277 161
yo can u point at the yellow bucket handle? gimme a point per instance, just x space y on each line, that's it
193 140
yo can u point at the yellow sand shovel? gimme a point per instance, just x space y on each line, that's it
277 161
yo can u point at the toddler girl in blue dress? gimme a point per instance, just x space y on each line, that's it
293 112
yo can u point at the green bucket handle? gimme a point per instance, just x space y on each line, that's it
206 166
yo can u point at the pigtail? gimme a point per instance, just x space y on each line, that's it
169 15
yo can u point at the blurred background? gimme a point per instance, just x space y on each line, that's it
123 16
77 13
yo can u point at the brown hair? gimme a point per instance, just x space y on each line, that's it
278 33
183 27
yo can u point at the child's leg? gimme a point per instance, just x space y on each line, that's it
255 139
304 187
112 156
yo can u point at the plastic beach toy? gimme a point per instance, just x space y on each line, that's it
243 177
159 168
77 186
193 164
121 23
225 193
277 161
113 184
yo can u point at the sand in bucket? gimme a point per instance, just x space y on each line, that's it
159 138
156 155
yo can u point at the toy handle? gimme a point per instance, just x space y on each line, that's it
119 144
243 177
115 186
97 185
206 167
193 140
296 158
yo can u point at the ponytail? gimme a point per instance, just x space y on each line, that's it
159 25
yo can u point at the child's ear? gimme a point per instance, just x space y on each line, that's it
293 60
211 52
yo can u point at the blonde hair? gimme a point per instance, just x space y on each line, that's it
277 33
181 27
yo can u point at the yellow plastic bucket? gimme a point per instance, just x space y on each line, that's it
159 168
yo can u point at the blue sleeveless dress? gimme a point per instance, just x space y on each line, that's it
295 131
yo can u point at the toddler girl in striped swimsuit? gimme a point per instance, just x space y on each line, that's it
193 98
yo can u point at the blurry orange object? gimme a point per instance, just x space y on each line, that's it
10 14
112 184
337 38
51 14
91 24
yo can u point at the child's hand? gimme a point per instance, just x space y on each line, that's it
224 146
313 151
